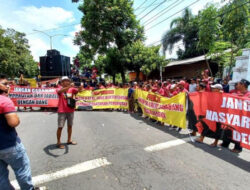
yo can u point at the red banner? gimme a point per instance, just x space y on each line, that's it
221 112
33 97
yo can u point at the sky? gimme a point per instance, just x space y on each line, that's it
62 18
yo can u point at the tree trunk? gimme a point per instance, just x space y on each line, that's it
113 76
123 77
137 76
231 59
208 66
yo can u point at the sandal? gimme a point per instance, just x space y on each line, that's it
72 143
236 151
60 146
213 145
198 140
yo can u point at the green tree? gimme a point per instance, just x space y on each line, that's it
144 59
15 57
235 25
108 24
209 30
184 28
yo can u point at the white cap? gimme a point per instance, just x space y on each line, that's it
217 86
65 78
173 86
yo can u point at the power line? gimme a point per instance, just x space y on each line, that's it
172 15
162 12
153 9
65 26
141 5
147 7
219 15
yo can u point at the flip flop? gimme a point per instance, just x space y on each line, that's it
72 143
198 141
236 151
60 146
213 145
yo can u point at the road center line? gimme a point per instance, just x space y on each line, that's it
73 170
164 145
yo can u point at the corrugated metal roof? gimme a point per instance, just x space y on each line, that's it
187 61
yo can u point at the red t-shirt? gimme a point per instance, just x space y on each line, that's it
246 95
102 87
155 88
6 105
162 92
183 90
62 104
89 88
186 86
8 135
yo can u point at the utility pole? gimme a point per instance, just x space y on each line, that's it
50 36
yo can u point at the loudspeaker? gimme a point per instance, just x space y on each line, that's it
55 64
52 52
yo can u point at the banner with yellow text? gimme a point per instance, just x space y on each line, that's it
111 98
167 110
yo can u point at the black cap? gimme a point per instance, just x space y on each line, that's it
245 82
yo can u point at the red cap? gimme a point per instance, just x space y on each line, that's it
182 82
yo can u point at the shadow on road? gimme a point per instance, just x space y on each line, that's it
50 148
221 153
224 154
164 128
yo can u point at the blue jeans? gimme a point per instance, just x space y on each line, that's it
17 158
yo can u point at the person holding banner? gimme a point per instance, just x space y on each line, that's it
131 98
66 108
207 132
242 91
199 88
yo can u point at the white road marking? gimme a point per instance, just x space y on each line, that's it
76 169
164 145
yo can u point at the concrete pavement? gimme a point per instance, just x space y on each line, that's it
122 140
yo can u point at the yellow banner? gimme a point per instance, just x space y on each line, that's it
167 110
31 81
111 98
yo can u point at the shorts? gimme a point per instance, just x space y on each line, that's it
62 117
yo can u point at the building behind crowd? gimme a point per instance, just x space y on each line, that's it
188 68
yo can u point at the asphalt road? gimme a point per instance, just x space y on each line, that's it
121 139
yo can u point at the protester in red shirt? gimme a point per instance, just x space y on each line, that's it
148 88
12 151
207 80
65 112
89 87
181 86
101 86
242 88
173 91
155 87
186 85
163 91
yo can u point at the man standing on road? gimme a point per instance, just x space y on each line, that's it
65 110
12 151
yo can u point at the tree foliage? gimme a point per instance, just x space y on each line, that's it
224 29
108 27
15 57
183 29
212 26
143 59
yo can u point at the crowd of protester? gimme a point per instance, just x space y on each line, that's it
10 142
167 88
